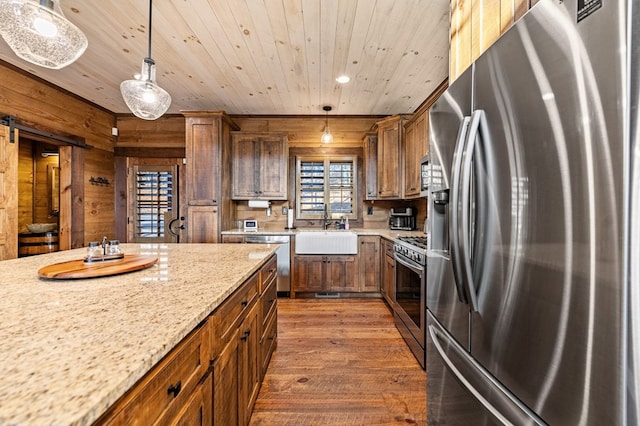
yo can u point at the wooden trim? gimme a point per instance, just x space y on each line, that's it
65 217
77 197
220 114
120 202
431 98
150 152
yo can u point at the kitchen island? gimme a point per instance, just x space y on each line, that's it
72 348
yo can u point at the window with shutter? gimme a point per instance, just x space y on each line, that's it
153 201
326 184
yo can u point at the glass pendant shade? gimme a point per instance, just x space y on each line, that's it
327 137
38 32
143 96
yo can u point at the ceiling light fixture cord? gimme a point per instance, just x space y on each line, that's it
150 13
327 137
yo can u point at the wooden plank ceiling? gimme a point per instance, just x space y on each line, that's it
261 56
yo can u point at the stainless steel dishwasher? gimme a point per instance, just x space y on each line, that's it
284 257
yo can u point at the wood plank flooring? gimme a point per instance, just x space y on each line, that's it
340 362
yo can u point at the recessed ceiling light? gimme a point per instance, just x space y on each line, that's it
343 79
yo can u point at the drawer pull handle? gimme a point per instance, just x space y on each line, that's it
175 389
245 303
246 335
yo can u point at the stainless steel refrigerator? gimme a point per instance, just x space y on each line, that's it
533 288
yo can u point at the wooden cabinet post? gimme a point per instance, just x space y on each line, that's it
370 146
208 173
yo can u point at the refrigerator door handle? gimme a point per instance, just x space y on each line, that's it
512 411
478 120
454 205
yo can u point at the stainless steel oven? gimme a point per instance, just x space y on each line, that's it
411 278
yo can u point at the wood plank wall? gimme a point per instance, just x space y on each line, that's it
475 25
25 185
41 105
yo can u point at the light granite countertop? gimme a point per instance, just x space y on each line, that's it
71 348
275 230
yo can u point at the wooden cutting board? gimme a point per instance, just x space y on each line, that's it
76 269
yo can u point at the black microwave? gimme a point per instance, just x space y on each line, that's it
425 176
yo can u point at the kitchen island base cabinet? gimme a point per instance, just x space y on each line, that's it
236 374
213 376
242 346
178 387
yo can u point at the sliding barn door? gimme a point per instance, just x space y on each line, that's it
8 195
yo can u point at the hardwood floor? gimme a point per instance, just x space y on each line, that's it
340 362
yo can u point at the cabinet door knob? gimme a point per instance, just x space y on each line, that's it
175 389
245 335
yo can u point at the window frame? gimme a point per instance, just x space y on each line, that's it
327 160
135 235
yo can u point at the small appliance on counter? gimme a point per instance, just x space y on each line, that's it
251 225
402 218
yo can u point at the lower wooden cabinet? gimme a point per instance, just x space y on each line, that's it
242 346
214 375
236 373
268 316
388 274
178 387
339 273
316 273
232 238
369 263
198 410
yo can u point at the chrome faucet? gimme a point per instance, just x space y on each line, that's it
104 245
325 220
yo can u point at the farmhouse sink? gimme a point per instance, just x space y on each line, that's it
326 242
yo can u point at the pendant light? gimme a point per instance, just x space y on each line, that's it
143 96
38 32
327 137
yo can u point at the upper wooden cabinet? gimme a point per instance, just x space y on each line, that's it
416 146
207 146
390 155
208 172
370 146
259 166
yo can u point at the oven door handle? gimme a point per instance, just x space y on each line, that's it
413 267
